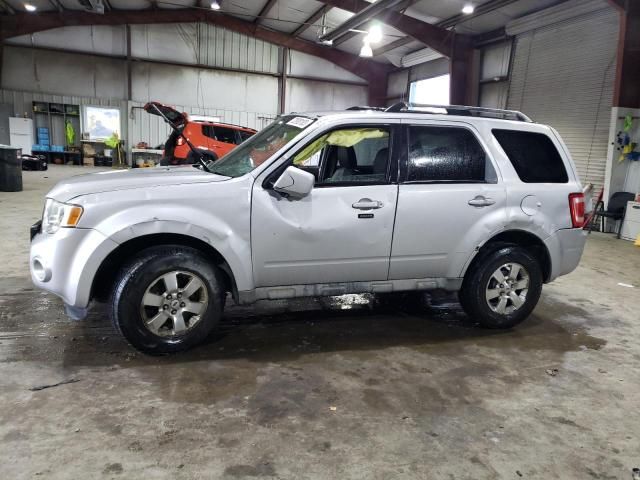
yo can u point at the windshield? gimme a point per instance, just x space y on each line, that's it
261 147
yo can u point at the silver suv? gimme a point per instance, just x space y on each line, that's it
484 202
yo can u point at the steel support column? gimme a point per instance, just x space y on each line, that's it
627 86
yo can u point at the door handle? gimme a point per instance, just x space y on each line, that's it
481 201
367 204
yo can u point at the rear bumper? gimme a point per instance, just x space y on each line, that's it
565 249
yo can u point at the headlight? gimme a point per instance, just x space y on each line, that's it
58 215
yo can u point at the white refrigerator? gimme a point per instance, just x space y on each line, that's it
21 133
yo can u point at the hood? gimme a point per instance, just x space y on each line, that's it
110 181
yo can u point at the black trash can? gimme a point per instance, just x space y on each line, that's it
10 169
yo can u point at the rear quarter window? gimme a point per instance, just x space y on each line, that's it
533 155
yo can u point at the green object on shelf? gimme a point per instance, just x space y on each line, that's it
113 141
70 133
628 123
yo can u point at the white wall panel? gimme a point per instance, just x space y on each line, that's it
203 44
305 95
104 39
302 64
204 88
63 73
175 42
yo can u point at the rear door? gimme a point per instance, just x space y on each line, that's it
450 200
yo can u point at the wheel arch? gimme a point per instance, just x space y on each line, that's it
105 275
531 242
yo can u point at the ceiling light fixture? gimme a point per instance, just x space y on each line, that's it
468 9
366 51
215 5
29 8
375 34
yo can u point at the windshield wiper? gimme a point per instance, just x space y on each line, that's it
199 155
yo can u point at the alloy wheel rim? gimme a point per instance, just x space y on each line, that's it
174 303
507 288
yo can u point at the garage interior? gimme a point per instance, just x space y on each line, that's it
341 387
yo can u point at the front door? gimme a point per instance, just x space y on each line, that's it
340 232
450 200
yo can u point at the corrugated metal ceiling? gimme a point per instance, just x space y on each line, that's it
287 15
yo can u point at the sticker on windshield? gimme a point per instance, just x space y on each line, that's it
300 122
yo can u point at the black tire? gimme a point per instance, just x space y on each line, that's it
473 294
141 272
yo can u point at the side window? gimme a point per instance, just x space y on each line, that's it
226 135
533 155
445 154
207 131
347 156
244 135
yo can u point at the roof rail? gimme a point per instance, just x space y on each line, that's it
459 110
358 107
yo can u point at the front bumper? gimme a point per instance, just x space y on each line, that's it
565 249
65 263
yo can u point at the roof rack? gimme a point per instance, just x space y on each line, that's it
460 110
358 107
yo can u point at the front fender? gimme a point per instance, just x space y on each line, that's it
235 250
217 214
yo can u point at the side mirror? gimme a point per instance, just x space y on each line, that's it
295 183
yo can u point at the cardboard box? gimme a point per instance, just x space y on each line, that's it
88 161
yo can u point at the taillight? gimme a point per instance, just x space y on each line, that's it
180 141
576 207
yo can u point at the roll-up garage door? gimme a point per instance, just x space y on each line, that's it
563 75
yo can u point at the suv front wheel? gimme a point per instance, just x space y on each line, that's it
167 299
502 287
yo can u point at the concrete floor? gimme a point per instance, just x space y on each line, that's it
335 389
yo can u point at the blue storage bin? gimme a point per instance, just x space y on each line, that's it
40 148
57 148
43 130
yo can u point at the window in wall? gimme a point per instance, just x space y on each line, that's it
349 156
445 154
533 155
431 91
101 122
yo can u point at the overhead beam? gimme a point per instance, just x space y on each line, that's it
439 39
401 42
56 4
480 10
7 8
371 10
264 11
317 15
24 24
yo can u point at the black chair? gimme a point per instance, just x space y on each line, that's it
616 209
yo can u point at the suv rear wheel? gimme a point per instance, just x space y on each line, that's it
167 299
502 287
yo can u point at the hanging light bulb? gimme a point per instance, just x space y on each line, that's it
366 50
215 5
468 9
375 34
